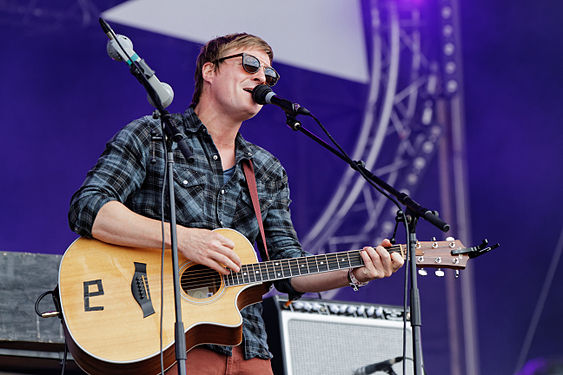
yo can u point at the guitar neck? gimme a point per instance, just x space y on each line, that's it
273 270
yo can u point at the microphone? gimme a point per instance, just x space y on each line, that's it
120 48
379 366
263 94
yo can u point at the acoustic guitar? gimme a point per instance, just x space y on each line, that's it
110 298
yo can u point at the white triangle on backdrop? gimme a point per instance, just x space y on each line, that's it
324 36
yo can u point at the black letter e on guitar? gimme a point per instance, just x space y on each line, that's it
88 294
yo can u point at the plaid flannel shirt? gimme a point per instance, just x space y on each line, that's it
131 171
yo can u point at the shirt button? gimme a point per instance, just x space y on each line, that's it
185 182
222 191
215 157
249 153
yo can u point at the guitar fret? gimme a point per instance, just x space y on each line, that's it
278 270
239 278
322 264
251 275
349 261
312 264
286 269
244 273
302 266
343 261
271 273
293 266
357 260
263 272
332 262
258 272
271 270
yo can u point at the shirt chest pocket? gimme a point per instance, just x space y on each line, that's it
191 197
245 208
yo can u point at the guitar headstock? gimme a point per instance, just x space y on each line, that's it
440 254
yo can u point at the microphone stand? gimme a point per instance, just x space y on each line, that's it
413 212
142 72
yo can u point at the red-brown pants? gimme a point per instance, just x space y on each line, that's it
206 362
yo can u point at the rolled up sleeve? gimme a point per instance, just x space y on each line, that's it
119 172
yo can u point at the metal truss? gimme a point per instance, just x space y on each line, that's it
397 139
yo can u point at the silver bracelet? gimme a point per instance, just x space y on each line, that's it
354 283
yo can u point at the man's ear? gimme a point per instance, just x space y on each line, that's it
208 71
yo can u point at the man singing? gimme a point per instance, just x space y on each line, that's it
120 200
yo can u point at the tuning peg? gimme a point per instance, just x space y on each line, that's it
456 274
439 272
422 272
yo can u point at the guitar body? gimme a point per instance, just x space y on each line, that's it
110 304
110 297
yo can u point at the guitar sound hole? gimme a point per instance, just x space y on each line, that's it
200 282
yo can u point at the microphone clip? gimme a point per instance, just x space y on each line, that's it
291 119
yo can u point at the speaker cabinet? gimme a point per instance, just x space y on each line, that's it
312 336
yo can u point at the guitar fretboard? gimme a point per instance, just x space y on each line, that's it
283 268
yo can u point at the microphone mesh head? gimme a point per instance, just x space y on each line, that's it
114 50
259 93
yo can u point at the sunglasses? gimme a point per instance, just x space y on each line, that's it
251 65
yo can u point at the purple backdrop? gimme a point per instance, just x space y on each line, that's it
63 98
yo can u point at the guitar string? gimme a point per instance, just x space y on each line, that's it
211 276
251 276
283 265
204 277
269 269
234 278
292 263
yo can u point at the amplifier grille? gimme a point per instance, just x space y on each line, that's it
316 343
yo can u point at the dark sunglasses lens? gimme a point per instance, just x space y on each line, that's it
271 76
250 63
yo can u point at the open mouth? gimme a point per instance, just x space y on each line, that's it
248 90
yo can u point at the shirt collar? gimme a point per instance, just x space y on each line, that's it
193 125
243 149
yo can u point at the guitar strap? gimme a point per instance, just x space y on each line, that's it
251 181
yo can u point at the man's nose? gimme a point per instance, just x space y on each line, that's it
260 76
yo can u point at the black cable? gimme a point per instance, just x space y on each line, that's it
388 196
352 162
119 44
162 218
51 314
38 300
64 358
405 292
162 197
330 136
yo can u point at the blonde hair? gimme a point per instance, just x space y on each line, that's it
214 49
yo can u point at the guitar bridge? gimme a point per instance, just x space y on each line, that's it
140 289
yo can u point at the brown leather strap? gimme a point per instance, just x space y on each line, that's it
251 181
